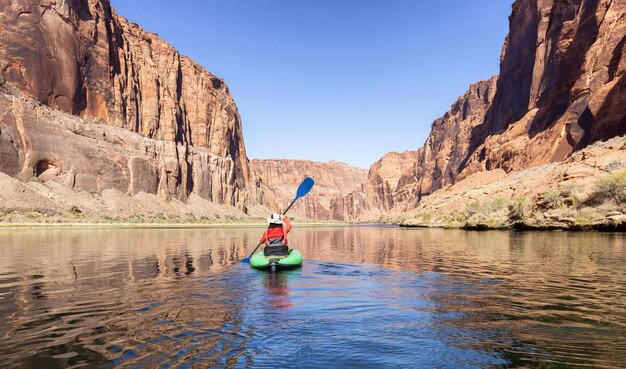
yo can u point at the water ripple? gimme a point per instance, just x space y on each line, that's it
366 297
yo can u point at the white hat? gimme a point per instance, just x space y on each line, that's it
275 219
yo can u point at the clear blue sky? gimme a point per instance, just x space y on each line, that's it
345 80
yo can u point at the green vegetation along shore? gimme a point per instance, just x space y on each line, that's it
572 207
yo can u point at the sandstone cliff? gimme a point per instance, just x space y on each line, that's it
561 87
332 179
442 157
374 197
83 59
107 180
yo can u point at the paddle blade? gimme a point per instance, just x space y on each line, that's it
305 187
246 260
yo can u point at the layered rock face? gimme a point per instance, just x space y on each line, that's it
332 179
561 87
374 197
83 59
117 171
442 157
560 195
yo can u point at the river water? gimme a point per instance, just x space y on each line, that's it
365 297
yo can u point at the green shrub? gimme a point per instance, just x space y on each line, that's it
551 199
485 207
571 196
587 216
610 187
520 208
473 208
421 217
454 217
572 202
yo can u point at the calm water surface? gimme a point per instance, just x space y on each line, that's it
365 297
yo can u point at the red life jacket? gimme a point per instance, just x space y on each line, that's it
275 236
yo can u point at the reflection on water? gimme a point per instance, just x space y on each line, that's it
366 296
276 285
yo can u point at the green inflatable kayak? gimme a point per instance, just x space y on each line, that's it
260 261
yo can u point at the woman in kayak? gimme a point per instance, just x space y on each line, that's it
275 238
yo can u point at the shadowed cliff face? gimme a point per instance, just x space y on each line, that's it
83 59
561 87
442 157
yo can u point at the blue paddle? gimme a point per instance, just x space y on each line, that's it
303 189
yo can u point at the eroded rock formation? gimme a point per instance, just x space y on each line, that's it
562 85
332 179
83 59
443 156
371 199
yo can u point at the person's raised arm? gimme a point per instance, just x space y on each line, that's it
287 224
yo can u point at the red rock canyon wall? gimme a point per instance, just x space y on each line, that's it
83 59
561 87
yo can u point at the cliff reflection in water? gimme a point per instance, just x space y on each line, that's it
553 291
443 298
87 294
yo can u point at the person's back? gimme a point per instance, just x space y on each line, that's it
275 238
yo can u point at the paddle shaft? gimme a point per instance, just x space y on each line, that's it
289 207
284 212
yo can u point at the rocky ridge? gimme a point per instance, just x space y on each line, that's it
374 197
442 157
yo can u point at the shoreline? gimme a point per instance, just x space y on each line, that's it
521 226
123 225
